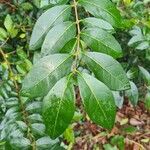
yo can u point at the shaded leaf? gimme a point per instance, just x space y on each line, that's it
133 94
145 75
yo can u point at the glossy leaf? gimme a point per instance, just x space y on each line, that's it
98 100
45 74
57 37
101 41
59 107
46 21
103 9
107 70
133 94
97 22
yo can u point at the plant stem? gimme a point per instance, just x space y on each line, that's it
78 34
25 114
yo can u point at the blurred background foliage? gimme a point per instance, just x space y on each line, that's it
20 117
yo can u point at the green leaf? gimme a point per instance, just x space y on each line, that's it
45 74
45 143
59 107
107 70
145 75
3 34
98 100
20 143
27 6
34 107
144 45
118 99
101 41
109 147
8 23
60 2
147 101
57 37
38 129
133 94
104 9
119 141
69 46
46 21
69 135
97 22
35 118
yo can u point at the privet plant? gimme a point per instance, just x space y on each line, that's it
76 52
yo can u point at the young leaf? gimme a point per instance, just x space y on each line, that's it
8 23
98 100
97 22
52 16
45 74
59 107
101 41
3 34
57 37
133 94
103 9
107 70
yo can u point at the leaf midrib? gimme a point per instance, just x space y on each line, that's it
51 72
102 9
60 103
83 33
103 68
60 36
53 21
95 99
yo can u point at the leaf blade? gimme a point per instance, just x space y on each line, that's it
48 71
59 107
103 9
44 23
98 100
109 71
57 37
101 41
